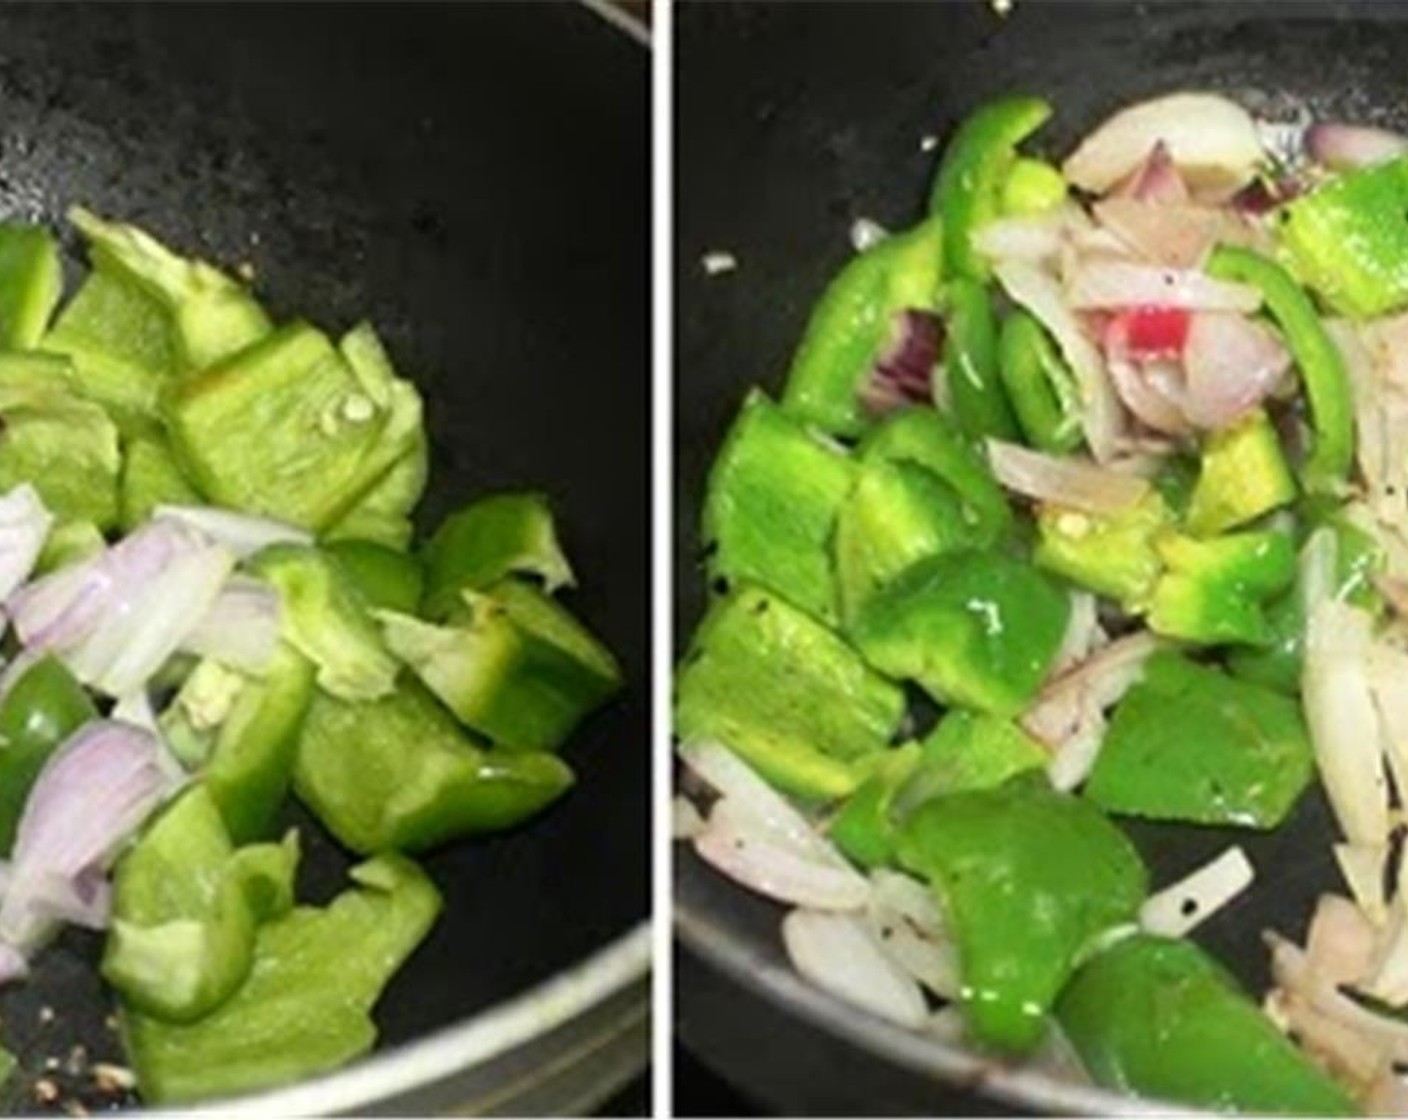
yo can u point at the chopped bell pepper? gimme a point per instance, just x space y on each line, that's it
512 664
1190 743
31 282
966 751
1316 356
496 536
66 448
399 774
975 628
774 493
788 695
204 700
1032 186
43 708
1160 1018
1113 555
305 1008
1216 591
151 476
852 324
865 828
324 619
1040 386
978 160
1027 879
386 578
976 392
1243 475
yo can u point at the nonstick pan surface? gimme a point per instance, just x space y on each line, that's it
793 120
473 179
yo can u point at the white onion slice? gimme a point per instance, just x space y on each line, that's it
1344 147
1341 943
242 533
1362 866
1083 634
1064 480
1040 294
905 922
1173 235
1232 364
1387 1095
241 628
1212 141
837 954
1103 285
1181 908
24 526
1033 239
1388 980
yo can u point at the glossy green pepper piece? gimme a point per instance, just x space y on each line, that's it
1190 743
1216 591
898 513
853 323
967 751
151 477
788 695
865 828
1160 1018
976 393
930 439
1027 879
774 493
399 774
1114 555
1243 475
306 1007
1032 186
978 160
1040 386
66 447
494 537
1349 239
974 628
386 578
1316 356
44 707
513 664
31 282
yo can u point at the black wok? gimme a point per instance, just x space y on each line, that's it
473 179
793 120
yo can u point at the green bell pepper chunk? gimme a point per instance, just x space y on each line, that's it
976 393
399 774
977 161
1216 591
43 708
212 315
489 539
1040 386
182 936
1160 1018
1033 186
774 493
151 477
284 429
1316 356
66 448
306 1007
853 323
513 664
31 282
1114 555
1190 743
865 829
788 695
975 628
203 701
928 438
69 542
898 513
385 578
1349 239
969 751
1243 475
324 619
1027 879
35 371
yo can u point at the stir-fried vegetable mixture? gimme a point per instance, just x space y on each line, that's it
1108 460
213 601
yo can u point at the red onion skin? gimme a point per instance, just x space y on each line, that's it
1155 180
904 374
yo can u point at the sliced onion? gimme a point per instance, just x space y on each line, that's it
241 628
1388 978
1040 294
1362 866
1387 1095
1064 480
1232 364
1213 142
1102 284
866 233
837 954
1034 239
91 797
1156 179
242 533
685 821
1083 634
1341 943
24 526
1174 235
904 374
1344 147
1178 910
905 922
1151 386
1344 725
